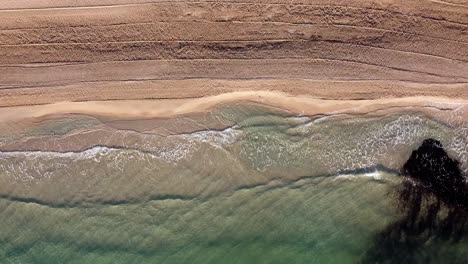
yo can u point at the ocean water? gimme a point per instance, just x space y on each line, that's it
248 184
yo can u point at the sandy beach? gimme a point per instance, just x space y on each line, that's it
165 67
88 50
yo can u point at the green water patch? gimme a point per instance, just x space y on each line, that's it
324 219
273 188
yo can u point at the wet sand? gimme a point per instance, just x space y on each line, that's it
172 107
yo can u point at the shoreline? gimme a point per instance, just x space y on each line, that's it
166 108
200 88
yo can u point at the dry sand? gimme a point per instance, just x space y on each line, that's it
87 50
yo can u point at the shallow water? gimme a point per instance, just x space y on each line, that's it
263 185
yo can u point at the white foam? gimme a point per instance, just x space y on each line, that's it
86 154
376 175
28 166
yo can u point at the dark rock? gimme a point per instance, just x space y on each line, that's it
434 202
435 172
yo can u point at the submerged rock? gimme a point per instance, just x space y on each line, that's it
434 202
431 168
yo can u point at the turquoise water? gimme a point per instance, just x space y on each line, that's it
270 187
318 219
